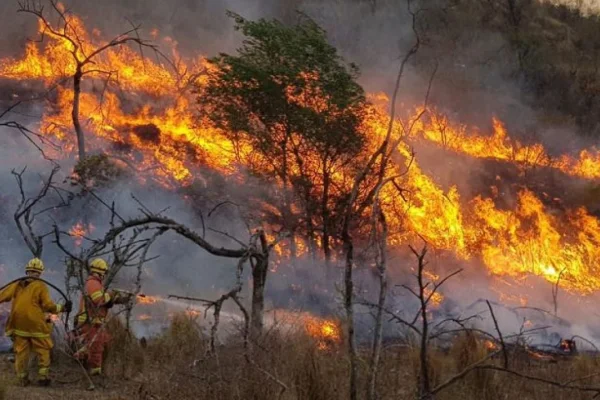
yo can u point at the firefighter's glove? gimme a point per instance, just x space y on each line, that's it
68 306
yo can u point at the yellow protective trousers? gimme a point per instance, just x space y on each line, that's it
23 346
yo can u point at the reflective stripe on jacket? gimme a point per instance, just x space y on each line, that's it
30 302
98 300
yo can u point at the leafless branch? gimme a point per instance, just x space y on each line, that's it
460 375
30 135
227 235
143 259
69 32
25 213
393 316
504 352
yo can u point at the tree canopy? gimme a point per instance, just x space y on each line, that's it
291 97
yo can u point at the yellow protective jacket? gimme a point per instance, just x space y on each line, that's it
30 303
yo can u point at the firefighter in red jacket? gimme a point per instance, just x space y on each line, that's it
93 310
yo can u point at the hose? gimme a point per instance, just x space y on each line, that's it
23 278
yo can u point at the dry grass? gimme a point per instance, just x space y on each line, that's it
175 366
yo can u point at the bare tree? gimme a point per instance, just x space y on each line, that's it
420 324
128 241
30 208
83 56
424 294
31 136
377 166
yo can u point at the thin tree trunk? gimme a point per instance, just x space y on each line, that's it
287 213
293 248
350 212
310 227
383 283
424 383
326 216
259 283
348 300
75 113
259 280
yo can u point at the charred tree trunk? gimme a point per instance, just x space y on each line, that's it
75 113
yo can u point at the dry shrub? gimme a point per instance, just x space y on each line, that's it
439 365
124 356
182 340
317 373
584 365
3 389
467 349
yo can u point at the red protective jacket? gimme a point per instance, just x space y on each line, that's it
94 303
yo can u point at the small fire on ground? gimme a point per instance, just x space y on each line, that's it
490 345
327 333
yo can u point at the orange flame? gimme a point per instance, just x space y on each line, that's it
144 299
164 137
438 129
325 332
490 345
79 231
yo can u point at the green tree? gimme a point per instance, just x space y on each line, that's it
290 97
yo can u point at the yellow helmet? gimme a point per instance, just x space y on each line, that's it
99 266
35 264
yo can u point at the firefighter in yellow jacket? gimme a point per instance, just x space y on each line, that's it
27 324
